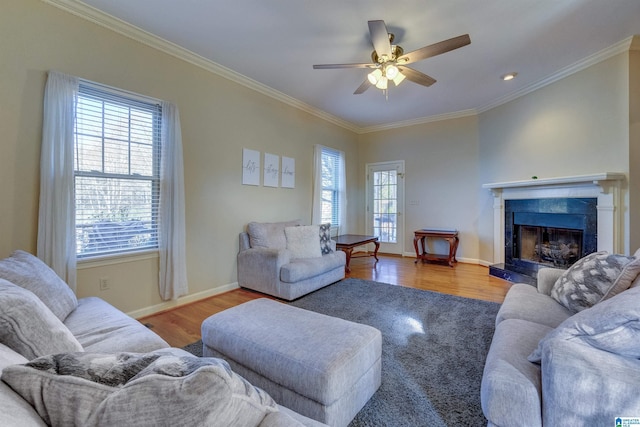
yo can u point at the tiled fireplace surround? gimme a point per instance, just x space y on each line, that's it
582 190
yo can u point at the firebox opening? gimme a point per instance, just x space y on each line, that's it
547 232
557 247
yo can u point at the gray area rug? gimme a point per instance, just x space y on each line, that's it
433 350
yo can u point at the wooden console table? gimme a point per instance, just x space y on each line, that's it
450 236
347 242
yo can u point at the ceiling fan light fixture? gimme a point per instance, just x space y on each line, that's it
374 76
391 71
399 78
388 60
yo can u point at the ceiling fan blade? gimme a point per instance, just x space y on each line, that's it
332 66
417 76
364 86
380 38
434 49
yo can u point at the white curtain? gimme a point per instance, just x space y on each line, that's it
316 207
172 239
342 196
56 218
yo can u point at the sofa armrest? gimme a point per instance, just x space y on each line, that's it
582 385
269 258
243 242
547 277
332 243
259 269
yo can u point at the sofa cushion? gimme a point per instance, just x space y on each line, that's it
100 327
158 388
547 277
15 411
594 278
511 388
525 302
612 325
303 241
269 234
301 269
29 272
325 238
28 327
587 387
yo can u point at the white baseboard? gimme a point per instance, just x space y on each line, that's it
147 311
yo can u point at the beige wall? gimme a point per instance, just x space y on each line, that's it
578 125
441 177
219 118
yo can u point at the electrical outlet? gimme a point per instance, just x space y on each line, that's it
104 284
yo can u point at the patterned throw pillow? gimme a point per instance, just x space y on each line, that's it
325 238
165 387
594 278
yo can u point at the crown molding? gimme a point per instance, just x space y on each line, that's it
620 47
420 121
130 31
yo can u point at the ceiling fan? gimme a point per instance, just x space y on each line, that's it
389 62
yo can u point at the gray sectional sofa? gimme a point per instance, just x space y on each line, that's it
66 361
566 358
288 260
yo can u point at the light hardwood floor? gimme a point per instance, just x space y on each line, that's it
181 326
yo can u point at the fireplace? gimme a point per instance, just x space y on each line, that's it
549 232
553 222
556 247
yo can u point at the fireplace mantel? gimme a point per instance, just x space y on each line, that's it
596 179
604 186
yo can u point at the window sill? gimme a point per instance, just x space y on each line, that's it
100 261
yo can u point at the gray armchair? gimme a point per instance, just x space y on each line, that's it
266 265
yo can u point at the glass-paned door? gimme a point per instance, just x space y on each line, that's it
385 205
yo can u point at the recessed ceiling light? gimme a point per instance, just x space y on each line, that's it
508 76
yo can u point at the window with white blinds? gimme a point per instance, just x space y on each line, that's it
117 171
330 209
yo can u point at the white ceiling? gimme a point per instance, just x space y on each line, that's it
276 42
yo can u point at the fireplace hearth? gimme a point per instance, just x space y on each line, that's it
552 232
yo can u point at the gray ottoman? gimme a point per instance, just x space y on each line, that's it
320 366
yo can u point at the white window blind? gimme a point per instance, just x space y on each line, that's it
330 209
117 170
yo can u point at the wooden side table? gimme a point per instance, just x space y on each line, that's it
450 236
346 243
